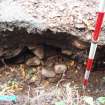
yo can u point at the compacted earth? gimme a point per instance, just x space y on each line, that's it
49 76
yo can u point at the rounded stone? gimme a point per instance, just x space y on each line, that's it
48 73
39 52
60 68
35 61
67 52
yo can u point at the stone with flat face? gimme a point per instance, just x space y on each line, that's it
60 68
34 22
48 73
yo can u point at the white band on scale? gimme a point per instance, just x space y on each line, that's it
101 6
87 73
92 50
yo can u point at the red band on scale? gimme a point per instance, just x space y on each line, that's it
98 25
89 64
85 82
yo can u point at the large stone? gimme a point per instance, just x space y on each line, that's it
48 73
39 52
60 68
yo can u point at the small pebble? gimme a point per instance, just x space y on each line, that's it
60 68
67 52
80 26
48 73
32 47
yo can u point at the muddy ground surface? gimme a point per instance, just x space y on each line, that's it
37 80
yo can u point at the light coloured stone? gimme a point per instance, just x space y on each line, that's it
79 44
80 26
60 68
48 73
35 61
67 52
39 52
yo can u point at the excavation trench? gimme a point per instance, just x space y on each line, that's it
19 61
44 43
19 41
17 46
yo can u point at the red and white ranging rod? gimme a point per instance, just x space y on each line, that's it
95 39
